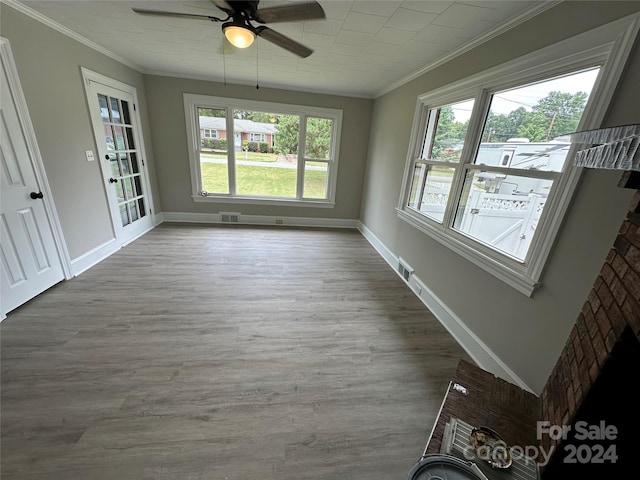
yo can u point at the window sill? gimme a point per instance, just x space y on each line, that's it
511 275
293 202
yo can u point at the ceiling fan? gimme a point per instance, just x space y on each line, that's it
239 30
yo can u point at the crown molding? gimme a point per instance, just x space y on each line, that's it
485 37
502 28
17 5
263 85
30 12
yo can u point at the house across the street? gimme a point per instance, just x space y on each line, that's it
216 128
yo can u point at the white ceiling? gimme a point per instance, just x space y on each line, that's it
362 48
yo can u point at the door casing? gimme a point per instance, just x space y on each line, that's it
93 81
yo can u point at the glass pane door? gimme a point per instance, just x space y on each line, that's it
123 158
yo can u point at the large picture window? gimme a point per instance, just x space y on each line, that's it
489 171
263 152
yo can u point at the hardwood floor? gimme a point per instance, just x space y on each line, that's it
202 352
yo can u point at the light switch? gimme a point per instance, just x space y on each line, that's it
89 155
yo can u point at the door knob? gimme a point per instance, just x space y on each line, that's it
113 180
35 195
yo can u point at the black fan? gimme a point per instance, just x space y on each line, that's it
240 32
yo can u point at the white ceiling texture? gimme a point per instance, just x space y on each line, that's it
363 48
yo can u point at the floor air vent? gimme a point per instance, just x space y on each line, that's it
230 217
404 269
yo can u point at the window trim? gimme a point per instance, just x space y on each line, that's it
192 101
263 137
205 130
608 46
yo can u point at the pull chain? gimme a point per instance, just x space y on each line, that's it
257 58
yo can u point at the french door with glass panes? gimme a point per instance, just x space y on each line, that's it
116 128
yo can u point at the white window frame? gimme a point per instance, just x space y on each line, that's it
212 133
262 137
609 47
191 104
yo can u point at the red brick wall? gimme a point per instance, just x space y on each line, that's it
612 304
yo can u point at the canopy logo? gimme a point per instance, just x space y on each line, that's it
590 451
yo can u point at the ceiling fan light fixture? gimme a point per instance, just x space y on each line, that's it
241 33
238 36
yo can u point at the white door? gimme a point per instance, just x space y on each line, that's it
116 129
30 259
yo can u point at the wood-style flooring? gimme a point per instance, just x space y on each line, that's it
224 353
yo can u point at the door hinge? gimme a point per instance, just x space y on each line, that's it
134 108
142 161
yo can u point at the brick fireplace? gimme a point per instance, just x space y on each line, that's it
591 379
592 383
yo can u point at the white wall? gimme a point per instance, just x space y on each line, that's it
166 112
49 64
527 334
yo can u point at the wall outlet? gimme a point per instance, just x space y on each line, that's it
89 155
278 222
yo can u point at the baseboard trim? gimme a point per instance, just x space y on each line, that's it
469 341
158 218
379 246
473 345
84 262
277 221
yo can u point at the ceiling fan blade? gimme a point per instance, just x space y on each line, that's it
163 13
283 41
290 13
223 5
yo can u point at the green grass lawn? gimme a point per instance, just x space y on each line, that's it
268 182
